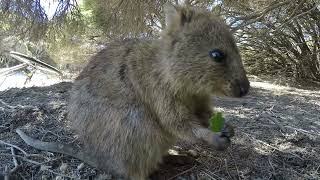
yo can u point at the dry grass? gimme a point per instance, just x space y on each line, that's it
277 137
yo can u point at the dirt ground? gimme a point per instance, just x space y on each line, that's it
277 137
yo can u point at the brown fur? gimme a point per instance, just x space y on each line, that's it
136 97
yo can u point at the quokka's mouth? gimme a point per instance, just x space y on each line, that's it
221 93
233 90
232 93
240 90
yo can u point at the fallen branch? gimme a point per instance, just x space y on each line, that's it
21 157
27 59
11 145
8 71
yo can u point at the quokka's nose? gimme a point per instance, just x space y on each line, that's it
243 91
244 87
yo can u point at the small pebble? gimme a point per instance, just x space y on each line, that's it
63 167
59 178
173 152
43 167
44 177
193 152
80 166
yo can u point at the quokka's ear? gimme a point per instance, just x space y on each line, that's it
177 15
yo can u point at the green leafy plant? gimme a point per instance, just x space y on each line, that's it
216 122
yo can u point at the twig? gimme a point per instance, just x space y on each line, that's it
7 71
273 170
227 168
15 162
21 157
235 163
38 155
181 173
32 162
276 123
294 17
251 18
47 132
273 147
63 175
210 175
11 145
6 173
6 105
4 79
302 131
48 161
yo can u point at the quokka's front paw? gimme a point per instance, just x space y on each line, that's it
221 140
218 142
227 130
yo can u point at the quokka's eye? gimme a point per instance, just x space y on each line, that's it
217 55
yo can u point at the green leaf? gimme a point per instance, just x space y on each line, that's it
216 122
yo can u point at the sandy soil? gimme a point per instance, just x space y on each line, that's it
277 137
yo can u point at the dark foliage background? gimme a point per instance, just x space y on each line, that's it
276 38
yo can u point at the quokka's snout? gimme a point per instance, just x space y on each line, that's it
241 87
